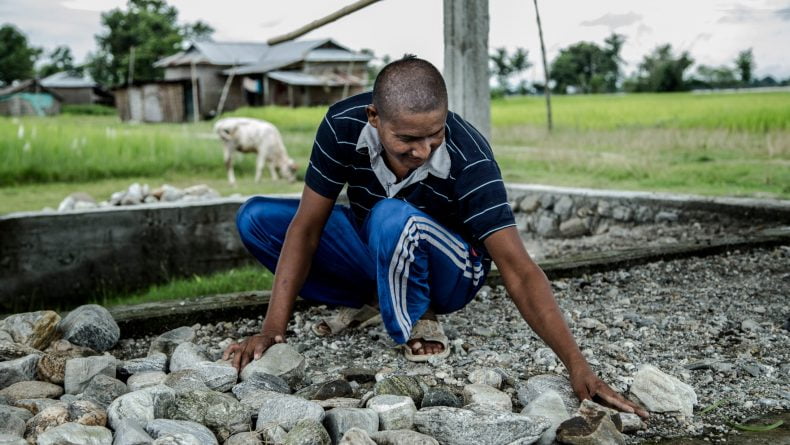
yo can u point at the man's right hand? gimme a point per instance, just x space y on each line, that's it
251 348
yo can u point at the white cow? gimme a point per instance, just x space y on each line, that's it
247 135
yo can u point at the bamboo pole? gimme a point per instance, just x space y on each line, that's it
195 104
321 22
547 76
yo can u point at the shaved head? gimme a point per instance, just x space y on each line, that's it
409 85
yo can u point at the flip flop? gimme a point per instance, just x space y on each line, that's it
427 330
347 317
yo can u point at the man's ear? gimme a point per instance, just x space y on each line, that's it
373 115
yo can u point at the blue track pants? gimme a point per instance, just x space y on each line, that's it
400 255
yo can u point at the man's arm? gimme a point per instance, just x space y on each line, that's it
531 292
301 241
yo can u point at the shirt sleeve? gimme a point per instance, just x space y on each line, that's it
482 200
329 166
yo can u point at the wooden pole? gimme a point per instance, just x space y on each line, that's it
195 104
321 22
131 66
347 86
547 76
224 94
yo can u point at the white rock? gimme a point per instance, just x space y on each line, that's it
660 392
395 412
145 379
486 377
487 395
549 405
80 371
71 432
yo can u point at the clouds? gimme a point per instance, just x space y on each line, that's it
783 14
740 14
614 21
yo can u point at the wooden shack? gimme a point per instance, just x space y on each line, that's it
162 101
29 98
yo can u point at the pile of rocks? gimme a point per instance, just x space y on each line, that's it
716 328
139 194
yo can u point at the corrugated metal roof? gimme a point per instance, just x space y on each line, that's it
336 55
303 79
217 53
65 79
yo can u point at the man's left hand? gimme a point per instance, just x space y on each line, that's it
587 385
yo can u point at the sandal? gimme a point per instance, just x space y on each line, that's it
427 330
346 317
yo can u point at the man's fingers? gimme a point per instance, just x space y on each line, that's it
237 353
621 403
230 350
259 349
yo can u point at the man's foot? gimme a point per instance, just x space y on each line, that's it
427 339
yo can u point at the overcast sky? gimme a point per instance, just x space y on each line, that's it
713 31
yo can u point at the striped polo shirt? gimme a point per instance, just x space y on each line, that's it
460 186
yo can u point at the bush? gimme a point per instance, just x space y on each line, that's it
89 109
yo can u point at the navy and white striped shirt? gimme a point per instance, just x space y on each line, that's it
470 200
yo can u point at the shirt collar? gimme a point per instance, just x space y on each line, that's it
438 164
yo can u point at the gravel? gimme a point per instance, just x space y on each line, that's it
719 324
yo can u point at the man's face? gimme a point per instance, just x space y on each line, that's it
409 138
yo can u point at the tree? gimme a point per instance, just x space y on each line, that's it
588 67
662 71
504 66
714 77
135 38
744 63
17 57
60 59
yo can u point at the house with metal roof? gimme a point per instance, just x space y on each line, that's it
29 98
222 76
77 89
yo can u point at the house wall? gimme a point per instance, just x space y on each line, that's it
75 96
210 83
152 102
29 104
358 69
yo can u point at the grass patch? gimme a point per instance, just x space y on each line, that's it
233 280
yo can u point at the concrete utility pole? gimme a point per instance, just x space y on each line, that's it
466 61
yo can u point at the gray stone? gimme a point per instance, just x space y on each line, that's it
271 433
622 213
465 427
221 413
34 329
530 203
440 397
548 405
52 365
402 437
486 376
356 436
90 325
547 225
103 389
574 227
10 350
11 424
660 392
750 325
131 433
218 376
167 342
281 360
643 214
10 439
339 420
187 355
74 433
395 412
160 427
286 410
539 384
326 390
249 438
340 402
141 406
186 380
666 217
261 381
307 432
31 390
145 379
156 361
564 207
18 370
400 385
598 430
177 439
80 371
15 411
628 422
487 395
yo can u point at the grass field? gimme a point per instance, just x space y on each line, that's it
712 144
